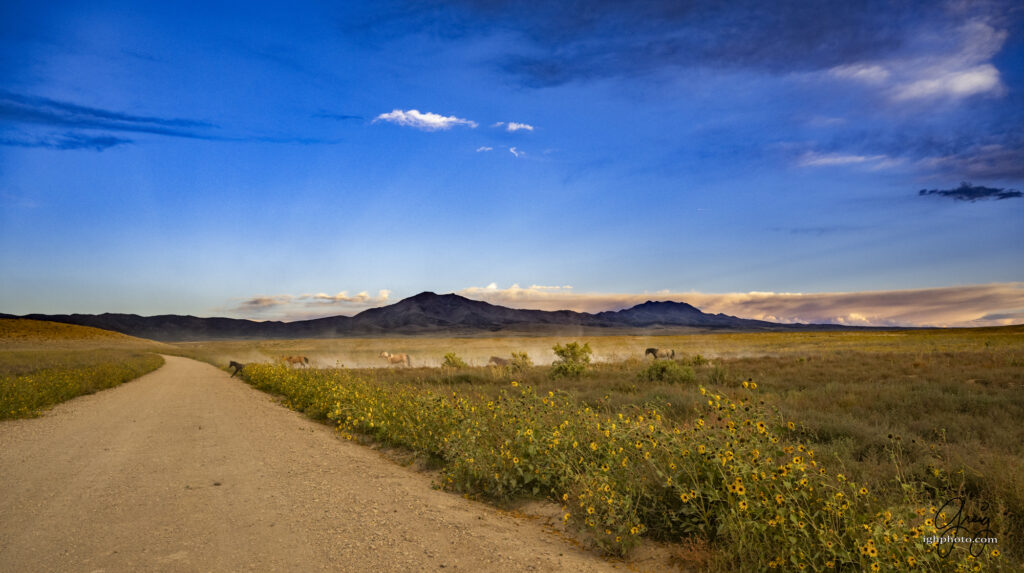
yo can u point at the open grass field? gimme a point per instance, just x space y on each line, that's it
44 363
913 417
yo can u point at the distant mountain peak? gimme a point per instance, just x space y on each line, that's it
427 313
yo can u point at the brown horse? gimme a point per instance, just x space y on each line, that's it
498 361
396 358
660 353
295 360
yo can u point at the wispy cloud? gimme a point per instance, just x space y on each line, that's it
336 116
515 152
82 127
423 121
26 109
306 306
972 193
1003 160
484 148
954 65
65 141
876 162
979 305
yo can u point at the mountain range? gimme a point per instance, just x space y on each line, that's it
432 314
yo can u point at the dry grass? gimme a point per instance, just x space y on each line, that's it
44 363
953 398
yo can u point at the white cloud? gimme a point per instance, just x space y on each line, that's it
812 159
868 73
952 65
955 84
515 151
483 148
423 121
994 304
513 126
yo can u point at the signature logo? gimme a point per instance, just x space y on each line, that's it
958 524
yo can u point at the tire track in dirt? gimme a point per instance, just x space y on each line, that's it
186 469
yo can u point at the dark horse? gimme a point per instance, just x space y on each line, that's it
237 366
660 353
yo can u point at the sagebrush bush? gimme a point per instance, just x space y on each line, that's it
452 361
667 371
572 361
519 363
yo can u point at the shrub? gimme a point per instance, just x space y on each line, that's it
519 363
696 360
452 361
573 360
667 371
719 375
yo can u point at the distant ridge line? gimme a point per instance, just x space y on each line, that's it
428 313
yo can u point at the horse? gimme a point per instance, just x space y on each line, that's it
396 358
238 366
296 360
660 353
498 361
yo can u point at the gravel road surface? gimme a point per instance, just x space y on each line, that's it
186 469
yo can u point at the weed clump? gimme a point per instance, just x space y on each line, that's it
573 360
667 371
453 362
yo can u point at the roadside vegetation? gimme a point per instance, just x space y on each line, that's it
45 363
831 452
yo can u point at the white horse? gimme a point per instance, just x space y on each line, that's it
396 358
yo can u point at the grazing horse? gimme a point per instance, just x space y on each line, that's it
238 366
396 358
296 360
498 361
660 353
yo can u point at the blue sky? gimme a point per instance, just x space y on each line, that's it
308 159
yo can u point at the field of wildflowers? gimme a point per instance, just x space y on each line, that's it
736 472
33 381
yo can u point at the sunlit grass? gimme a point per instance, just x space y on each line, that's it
738 474
45 363
33 381
951 401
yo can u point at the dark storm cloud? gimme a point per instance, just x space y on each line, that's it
972 193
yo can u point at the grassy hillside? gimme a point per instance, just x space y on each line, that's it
26 334
45 363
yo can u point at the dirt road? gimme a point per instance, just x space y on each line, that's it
186 469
